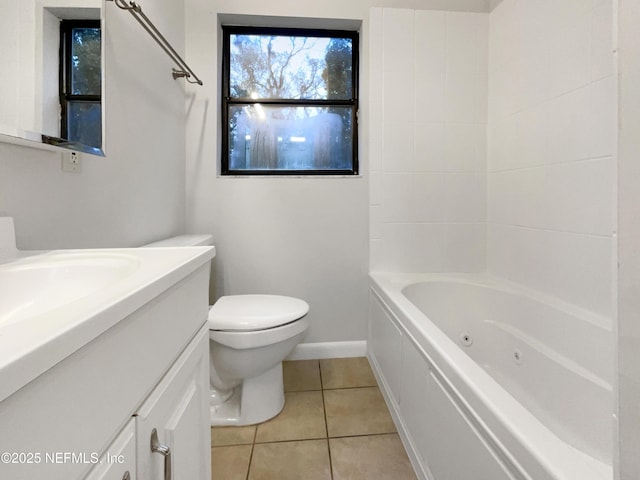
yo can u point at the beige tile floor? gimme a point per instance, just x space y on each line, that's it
334 426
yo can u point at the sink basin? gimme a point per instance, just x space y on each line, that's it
54 303
41 283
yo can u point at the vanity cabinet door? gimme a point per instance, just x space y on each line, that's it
119 460
173 426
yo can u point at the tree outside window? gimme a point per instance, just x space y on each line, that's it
289 101
81 82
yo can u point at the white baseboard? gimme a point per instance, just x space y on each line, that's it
321 350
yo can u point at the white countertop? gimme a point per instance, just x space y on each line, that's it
34 341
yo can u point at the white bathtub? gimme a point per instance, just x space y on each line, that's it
489 381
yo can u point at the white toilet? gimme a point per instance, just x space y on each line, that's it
250 336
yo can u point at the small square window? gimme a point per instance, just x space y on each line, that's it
81 82
289 101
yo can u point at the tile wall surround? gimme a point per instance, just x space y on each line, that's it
492 145
551 170
428 74
628 274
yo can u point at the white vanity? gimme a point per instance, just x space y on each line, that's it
104 364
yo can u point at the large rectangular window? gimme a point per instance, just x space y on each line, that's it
81 82
289 101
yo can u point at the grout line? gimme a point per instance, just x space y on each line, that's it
253 445
351 388
326 425
330 462
360 435
606 236
561 163
320 375
310 439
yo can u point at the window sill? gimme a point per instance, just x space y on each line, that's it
301 176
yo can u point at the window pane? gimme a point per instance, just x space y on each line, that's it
85 61
290 138
84 123
290 67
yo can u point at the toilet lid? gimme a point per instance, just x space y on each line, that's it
255 312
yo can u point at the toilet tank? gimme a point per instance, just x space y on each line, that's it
192 240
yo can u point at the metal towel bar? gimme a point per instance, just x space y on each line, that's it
184 71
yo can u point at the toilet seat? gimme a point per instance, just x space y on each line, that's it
241 340
251 313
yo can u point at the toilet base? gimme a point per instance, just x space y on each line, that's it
257 400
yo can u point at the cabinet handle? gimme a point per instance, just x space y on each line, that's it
164 450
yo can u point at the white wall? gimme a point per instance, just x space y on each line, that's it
9 22
135 194
29 44
306 237
551 167
428 77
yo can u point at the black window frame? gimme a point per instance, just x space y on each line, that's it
65 87
228 102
